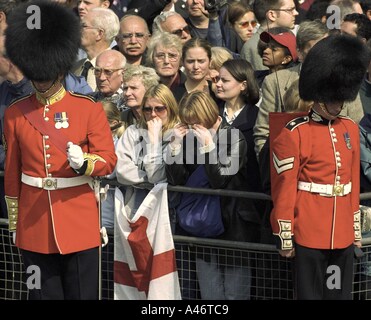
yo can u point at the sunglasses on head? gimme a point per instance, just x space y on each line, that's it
179 32
158 109
245 24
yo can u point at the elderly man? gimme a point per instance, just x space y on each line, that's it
108 75
174 23
99 28
132 39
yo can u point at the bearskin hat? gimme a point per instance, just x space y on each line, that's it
333 69
46 50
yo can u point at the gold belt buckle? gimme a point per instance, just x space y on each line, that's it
338 190
50 184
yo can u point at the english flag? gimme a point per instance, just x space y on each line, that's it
144 254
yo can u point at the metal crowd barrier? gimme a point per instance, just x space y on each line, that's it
270 275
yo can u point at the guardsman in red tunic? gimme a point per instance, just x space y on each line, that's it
56 142
316 172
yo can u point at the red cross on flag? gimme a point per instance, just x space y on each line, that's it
144 254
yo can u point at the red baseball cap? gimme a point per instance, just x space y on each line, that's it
286 39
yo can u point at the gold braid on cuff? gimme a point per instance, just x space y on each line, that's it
357 226
91 160
12 206
285 234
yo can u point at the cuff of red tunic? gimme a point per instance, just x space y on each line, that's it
284 235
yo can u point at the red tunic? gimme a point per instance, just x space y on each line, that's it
311 149
64 220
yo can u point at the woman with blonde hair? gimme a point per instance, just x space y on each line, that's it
140 149
218 56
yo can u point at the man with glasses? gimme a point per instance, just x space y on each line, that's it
173 23
269 13
132 39
98 29
108 74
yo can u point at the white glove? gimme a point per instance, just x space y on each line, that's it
104 236
14 235
75 155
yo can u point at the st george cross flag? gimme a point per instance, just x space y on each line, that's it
144 254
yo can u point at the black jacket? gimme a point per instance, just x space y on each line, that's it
239 214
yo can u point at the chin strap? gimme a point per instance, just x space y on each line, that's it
325 110
45 92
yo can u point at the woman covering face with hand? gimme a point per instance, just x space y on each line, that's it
141 147
205 138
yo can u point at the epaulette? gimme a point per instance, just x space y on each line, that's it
346 118
20 99
294 123
82 96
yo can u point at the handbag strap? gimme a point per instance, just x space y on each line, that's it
29 110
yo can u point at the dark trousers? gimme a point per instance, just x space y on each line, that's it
72 276
318 270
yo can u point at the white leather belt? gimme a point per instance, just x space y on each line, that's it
55 183
326 190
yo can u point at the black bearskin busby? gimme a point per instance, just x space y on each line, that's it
43 53
333 69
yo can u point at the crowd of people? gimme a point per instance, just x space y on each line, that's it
147 91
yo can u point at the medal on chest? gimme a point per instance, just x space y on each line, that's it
61 120
347 140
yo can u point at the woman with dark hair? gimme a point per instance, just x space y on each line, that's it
196 57
242 20
278 51
237 87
